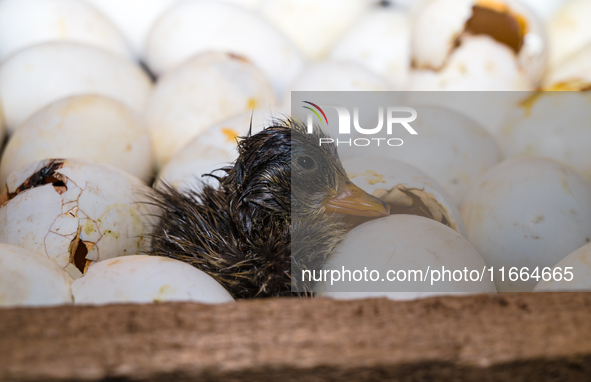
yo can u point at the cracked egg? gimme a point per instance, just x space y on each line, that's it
76 212
553 125
29 22
28 278
194 27
443 26
211 150
580 263
42 74
407 243
145 279
380 41
88 127
452 149
201 92
406 189
527 212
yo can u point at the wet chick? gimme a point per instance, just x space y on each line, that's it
284 191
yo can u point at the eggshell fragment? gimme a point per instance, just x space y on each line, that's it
203 91
408 243
29 278
194 27
452 149
37 76
24 23
553 125
146 279
579 262
569 30
76 212
211 150
405 188
527 212
380 41
87 127
314 26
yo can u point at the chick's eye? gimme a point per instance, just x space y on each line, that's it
306 162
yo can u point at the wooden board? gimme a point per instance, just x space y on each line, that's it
512 337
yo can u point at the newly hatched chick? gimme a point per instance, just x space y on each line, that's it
284 190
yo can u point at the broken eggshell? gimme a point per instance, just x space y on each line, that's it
39 75
28 278
380 41
408 243
194 27
440 27
88 127
579 262
24 23
527 212
146 279
314 26
553 125
405 188
203 91
211 150
76 212
451 148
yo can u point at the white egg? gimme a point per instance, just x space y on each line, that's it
484 77
87 127
527 212
405 188
29 278
37 76
2 128
557 279
574 73
553 125
24 23
203 91
314 26
211 150
479 64
452 149
146 279
569 30
194 27
544 8
76 212
441 27
404 243
134 18
336 76
380 41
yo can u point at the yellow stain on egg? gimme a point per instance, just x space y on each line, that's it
230 134
251 104
375 177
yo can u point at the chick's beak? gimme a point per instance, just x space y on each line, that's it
352 200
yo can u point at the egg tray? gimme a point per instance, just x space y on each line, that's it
511 337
